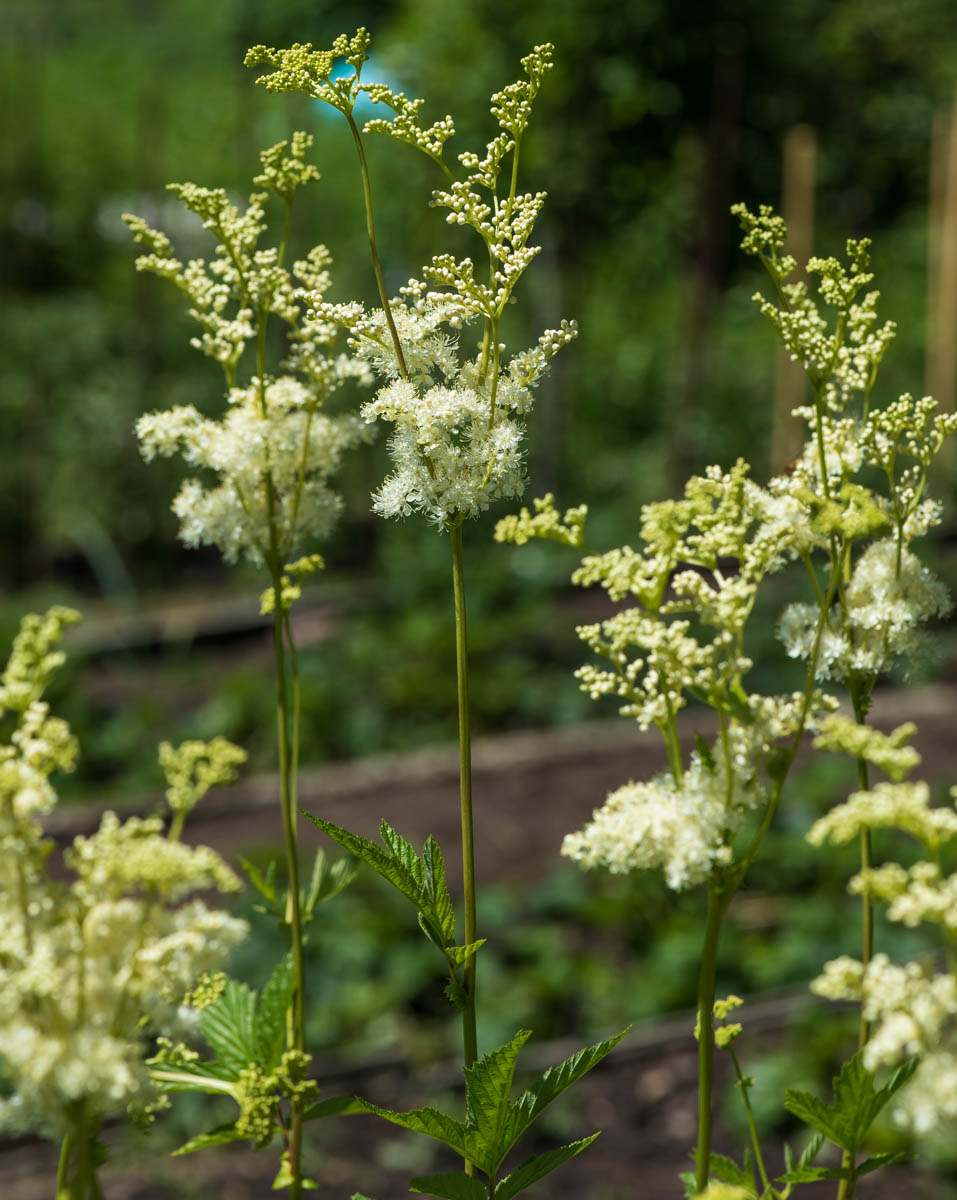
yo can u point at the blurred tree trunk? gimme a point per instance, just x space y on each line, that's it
941 370
708 265
799 153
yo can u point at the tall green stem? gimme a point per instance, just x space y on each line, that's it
63 1169
469 1036
717 904
293 912
752 1128
860 703
845 1190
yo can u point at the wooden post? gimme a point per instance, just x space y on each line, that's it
708 265
941 370
797 208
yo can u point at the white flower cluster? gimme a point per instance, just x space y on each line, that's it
458 423
842 362
656 825
87 966
912 1011
684 830
705 555
911 1007
457 441
273 450
890 595
302 69
274 455
922 894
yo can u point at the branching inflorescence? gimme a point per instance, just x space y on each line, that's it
95 968
695 578
458 419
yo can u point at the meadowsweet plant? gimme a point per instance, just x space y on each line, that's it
263 493
695 579
458 423
93 968
910 1009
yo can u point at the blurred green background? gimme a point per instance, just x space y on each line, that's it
654 120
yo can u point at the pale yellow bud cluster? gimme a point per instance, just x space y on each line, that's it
546 523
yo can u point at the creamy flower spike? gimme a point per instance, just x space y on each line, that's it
92 967
458 419
453 454
270 440
679 830
889 597
274 452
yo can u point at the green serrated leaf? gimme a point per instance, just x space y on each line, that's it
553 1082
856 1103
816 1113
455 1185
704 753
897 1080
811 1150
690 1181
457 955
455 994
284 1178
814 1174
434 1124
538 1167
809 1174
854 1096
435 935
335 1106
375 856
876 1161
229 1025
327 880
264 884
397 862
404 854
488 1086
728 1171
219 1136
271 1014
437 889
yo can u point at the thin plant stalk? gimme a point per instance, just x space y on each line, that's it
63 1168
288 746
717 903
373 249
752 1128
469 1035
296 1032
845 1190
720 897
